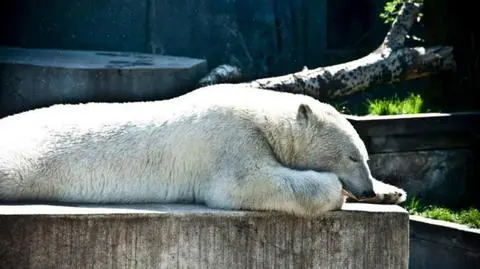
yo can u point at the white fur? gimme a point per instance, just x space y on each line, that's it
228 147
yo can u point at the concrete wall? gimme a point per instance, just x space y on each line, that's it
436 244
33 78
434 157
146 236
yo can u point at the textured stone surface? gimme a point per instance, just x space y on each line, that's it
264 37
240 33
438 244
439 176
161 236
434 156
32 78
222 31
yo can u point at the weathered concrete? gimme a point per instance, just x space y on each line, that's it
436 244
185 236
32 78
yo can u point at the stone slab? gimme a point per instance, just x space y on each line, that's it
187 236
31 78
81 59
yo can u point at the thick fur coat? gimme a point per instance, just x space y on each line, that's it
230 147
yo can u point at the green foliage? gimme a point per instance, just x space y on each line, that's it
469 217
392 7
411 105
413 205
390 12
439 213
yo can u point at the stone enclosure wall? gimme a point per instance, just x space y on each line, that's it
435 157
264 37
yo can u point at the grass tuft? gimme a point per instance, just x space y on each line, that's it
469 217
412 104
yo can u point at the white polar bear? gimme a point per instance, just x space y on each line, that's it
227 146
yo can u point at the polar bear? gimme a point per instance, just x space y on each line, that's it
226 146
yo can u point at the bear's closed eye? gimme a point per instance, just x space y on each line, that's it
353 159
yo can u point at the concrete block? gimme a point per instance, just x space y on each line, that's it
187 236
31 78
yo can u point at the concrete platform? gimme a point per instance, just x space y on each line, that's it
186 236
31 78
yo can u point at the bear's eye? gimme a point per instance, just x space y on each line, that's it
353 159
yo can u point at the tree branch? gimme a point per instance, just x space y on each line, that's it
376 68
390 63
395 38
221 74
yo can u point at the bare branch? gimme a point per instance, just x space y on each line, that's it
221 74
375 68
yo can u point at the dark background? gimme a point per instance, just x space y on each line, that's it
263 37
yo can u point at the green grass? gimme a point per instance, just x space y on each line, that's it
469 217
412 104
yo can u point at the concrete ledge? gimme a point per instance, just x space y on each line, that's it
32 78
439 244
185 236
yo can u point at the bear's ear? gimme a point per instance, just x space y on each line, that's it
304 113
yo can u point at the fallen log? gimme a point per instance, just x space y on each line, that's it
391 62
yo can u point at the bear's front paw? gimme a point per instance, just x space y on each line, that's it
385 194
395 197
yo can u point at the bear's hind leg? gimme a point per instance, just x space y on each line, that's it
303 193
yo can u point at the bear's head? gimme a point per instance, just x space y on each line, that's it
328 142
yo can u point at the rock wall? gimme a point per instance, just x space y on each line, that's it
263 37
434 157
